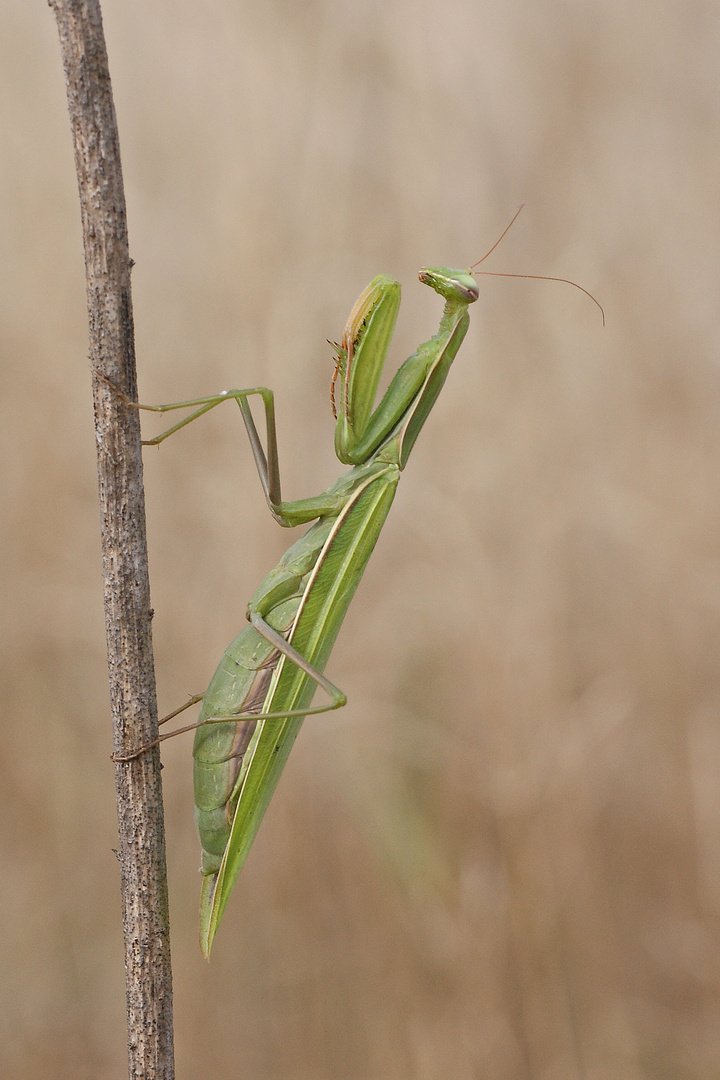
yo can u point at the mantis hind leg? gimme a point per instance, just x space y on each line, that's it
337 697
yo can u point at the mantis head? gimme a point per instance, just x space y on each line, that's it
458 285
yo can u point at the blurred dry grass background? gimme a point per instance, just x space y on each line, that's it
503 859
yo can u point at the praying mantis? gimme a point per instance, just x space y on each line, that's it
265 682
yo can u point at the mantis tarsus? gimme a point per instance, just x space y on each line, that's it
265 682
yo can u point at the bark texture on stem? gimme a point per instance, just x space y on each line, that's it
124 551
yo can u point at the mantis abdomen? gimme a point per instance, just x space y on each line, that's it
305 598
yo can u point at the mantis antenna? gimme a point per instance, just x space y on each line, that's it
532 277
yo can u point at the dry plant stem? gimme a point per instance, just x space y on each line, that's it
124 552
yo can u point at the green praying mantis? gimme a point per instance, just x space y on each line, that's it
265 682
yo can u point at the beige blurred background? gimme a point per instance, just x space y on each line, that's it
502 860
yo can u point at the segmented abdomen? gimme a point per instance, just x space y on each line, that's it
219 748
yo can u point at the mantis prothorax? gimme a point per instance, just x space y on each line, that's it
265 682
